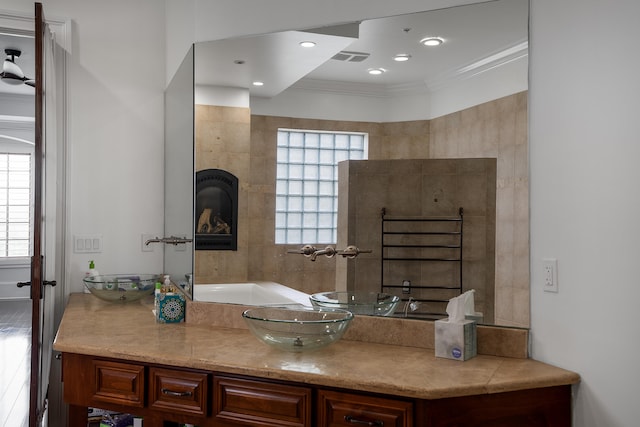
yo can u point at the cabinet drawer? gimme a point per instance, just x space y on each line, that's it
178 391
119 383
354 410
255 402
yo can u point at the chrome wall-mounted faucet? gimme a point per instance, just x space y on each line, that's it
173 240
312 252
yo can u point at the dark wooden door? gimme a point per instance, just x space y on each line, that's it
41 294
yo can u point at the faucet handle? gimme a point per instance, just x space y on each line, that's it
352 251
329 252
306 250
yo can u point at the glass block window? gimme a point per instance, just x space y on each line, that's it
307 183
15 197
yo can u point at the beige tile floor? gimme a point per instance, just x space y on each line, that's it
15 353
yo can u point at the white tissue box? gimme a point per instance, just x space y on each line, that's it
457 340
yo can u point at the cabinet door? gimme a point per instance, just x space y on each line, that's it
178 391
242 401
337 409
118 383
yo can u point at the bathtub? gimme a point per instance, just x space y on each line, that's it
250 293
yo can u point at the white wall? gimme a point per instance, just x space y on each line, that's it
116 79
585 201
221 96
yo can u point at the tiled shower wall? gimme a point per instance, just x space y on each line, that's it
245 145
420 188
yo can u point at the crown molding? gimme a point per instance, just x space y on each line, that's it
21 24
498 59
340 87
16 23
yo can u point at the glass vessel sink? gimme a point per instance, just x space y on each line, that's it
297 329
370 303
121 287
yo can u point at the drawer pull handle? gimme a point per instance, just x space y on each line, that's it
176 393
352 420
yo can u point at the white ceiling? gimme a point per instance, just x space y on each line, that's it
275 59
477 37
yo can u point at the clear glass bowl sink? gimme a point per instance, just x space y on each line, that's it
121 287
297 329
370 303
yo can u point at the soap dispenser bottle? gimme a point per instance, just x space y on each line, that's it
92 269
93 273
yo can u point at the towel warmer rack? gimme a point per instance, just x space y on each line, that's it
422 248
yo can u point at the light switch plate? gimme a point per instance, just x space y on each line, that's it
87 243
550 274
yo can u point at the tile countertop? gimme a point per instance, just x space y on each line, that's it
129 332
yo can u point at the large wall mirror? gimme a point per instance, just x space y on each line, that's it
451 107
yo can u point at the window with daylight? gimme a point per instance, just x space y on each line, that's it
15 196
307 183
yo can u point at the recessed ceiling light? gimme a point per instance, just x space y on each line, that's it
307 44
258 83
402 57
376 71
432 41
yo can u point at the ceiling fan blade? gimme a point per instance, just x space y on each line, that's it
30 82
11 70
11 80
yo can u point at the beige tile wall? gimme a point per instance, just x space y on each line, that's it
223 141
246 146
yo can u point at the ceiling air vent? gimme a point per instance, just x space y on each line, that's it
345 55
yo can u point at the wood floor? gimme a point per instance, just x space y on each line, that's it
15 353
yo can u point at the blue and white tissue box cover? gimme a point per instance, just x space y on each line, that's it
456 340
171 308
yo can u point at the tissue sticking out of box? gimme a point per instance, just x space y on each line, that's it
456 308
463 307
470 312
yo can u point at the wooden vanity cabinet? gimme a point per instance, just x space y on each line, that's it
216 399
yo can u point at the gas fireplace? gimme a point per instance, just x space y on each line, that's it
216 215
